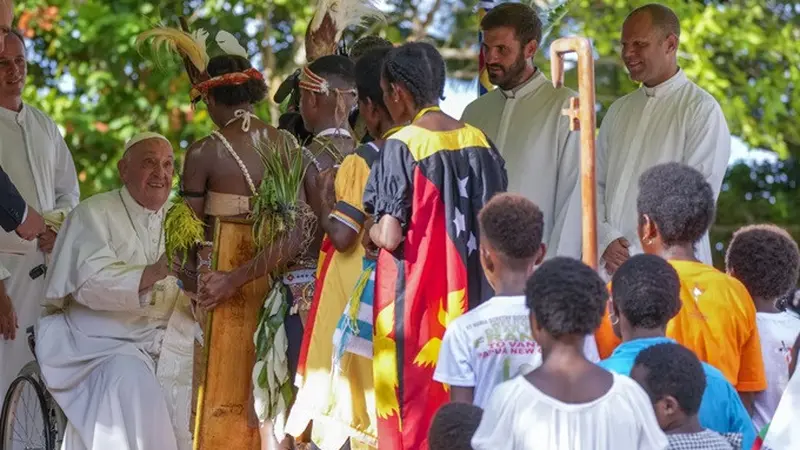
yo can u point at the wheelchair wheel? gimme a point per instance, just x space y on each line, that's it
25 422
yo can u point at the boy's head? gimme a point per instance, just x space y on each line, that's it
511 229
674 379
567 300
645 294
327 92
765 259
453 427
675 205
370 95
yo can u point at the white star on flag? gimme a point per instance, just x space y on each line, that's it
462 187
472 244
459 223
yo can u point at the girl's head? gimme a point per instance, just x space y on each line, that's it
412 78
370 95
675 205
645 295
226 96
567 301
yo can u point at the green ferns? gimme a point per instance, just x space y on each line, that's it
182 230
276 210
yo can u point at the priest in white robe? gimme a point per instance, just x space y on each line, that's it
117 353
38 162
523 119
668 119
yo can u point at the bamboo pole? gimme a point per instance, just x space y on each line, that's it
581 112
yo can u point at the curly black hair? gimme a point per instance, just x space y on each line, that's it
646 290
252 91
672 369
521 18
453 426
338 70
368 76
765 259
419 69
513 225
367 44
679 200
566 297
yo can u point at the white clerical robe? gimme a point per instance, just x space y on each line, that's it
783 431
542 155
676 121
119 366
36 158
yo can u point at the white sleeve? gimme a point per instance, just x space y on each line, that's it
85 266
650 435
590 351
708 143
66 179
497 423
606 234
566 236
455 365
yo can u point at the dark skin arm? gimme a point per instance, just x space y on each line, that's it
342 237
748 399
215 287
387 233
462 394
194 179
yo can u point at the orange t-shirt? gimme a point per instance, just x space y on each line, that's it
717 321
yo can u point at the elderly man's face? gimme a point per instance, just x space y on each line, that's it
13 67
147 171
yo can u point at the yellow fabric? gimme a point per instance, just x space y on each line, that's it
717 321
423 142
340 403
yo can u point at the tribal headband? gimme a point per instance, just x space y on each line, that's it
315 83
229 79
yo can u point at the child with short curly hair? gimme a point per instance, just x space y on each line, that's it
766 260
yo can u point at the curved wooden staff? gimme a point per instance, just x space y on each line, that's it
582 117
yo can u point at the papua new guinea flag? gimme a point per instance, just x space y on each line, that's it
434 183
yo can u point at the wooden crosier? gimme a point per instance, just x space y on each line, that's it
582 117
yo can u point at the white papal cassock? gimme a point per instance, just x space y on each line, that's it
542 155
36 158
676 121
120 368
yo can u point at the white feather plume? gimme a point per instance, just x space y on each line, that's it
345 13
228 43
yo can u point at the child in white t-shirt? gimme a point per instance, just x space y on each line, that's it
766 260
567 403
493 342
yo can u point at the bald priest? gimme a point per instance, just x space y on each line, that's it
117 352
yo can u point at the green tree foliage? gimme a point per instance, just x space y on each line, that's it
86 72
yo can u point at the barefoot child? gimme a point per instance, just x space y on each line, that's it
490 344
568 402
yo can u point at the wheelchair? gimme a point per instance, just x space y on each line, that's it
31 419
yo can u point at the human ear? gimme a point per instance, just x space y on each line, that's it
529 50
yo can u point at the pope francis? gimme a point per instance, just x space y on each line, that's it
117 352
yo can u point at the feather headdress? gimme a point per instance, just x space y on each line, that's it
331 18
189 46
